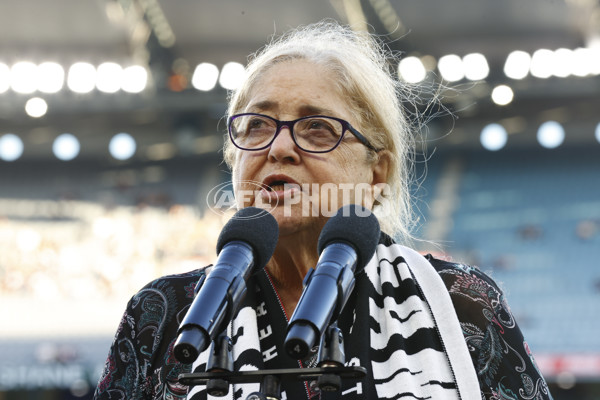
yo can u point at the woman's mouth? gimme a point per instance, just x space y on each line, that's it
277 186
278 189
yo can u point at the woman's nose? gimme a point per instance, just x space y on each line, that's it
283 147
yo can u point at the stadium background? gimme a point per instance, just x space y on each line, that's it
110 129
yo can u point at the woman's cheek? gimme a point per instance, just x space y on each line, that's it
241 193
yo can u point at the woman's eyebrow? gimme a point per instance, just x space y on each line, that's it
303 110
309 109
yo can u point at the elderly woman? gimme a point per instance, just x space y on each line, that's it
319 108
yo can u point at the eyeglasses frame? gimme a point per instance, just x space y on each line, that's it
290 125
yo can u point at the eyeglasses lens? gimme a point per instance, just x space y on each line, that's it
311 134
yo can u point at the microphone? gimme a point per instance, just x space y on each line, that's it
244 246
346 244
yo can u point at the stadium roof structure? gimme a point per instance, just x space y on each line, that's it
170 39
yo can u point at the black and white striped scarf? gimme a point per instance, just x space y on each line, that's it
399 324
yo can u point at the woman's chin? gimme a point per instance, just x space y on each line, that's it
292 220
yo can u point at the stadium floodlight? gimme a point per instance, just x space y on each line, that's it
36 107
135 79
205 77
583 62
66 147
517 64
122 146
493 137
412 70
542 63
475 66
502 95
451 67
23 77
563 63
11 147
81 77
232 74
51 77
594 57
550 134
109 77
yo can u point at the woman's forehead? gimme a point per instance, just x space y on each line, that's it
301 85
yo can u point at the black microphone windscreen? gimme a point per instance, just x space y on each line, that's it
355 225
256 227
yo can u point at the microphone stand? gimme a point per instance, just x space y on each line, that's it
219 360
329 372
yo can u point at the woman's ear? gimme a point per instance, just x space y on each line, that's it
381 167
380 170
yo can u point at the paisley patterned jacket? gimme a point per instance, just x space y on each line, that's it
141 365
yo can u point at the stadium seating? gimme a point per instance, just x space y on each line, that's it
531 219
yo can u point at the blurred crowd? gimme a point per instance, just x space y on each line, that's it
87 250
